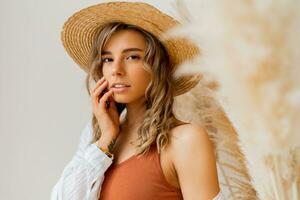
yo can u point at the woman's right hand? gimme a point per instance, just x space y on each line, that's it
107 117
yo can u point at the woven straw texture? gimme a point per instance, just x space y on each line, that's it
81 28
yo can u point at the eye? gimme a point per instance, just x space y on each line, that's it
106 60
135 57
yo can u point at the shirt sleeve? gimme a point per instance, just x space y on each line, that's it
82 177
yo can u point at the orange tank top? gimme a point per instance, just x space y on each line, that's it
138 178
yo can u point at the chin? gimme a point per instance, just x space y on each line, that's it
121 99
127 98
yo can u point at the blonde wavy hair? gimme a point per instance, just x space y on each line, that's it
159 117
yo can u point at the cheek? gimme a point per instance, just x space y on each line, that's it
104 71
141 78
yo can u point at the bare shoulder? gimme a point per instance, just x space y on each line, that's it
189 134
189 141
192 155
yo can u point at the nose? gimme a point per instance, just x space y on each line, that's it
117 68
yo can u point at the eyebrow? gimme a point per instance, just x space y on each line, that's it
124 51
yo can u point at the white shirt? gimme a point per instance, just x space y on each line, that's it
83 176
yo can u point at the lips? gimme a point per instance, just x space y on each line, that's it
119 89
119 85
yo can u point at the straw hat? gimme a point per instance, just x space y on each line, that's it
80 30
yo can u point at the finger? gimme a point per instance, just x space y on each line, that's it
99 82
100 89
95 95
112 102
105 98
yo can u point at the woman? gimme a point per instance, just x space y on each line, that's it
134 147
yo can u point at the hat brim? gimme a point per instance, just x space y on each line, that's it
81 28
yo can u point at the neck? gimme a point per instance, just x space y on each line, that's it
134 114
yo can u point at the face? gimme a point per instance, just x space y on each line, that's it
122 59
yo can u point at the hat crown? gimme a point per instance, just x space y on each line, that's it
81 28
